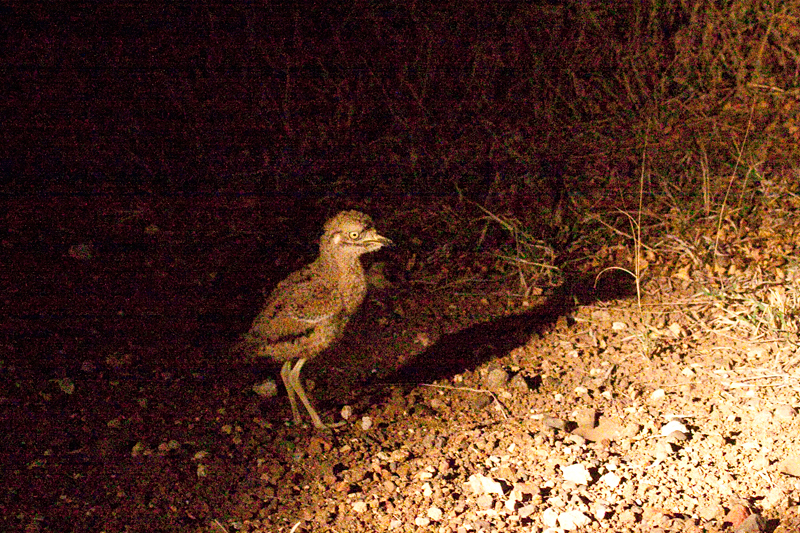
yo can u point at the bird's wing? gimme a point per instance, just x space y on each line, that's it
310 298
297 305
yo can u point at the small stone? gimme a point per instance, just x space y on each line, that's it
752 524
611 480
785 412
81 251
759 463
359 506
496 378
266 389
790 466
510 505
480 484
578 474
480 401
422 521
586 418
519 383
762 418
658 395
627 517
601 511
673 426
550 517
435 514
662 450
737 515
775 498
485 501
554 423
526 510
572 520
710 511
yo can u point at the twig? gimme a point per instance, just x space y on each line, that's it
470 389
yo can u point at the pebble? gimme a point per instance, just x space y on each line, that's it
737 515
710 511
658 395
600 511
775 498
480 401
485 501
785 412
627 517
496 378
790 466
578 474
611 480
673 426
435 514
366 423
550 517
554 423
572 520
519 383
752 524
586 418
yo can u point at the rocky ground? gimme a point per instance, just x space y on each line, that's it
468 401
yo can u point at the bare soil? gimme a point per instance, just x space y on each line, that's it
470 405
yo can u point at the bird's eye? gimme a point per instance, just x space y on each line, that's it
354 235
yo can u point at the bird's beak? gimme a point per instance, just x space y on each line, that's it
379 241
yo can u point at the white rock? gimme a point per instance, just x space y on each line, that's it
550 517
266 389
572 520
366 423
359 506
578 474
673 426
480 484
775 498
658 394
600 511
790 466
435 514
347 412
611 479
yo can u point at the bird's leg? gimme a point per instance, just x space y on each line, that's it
286 376
294 380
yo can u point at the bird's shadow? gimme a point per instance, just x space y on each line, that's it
469 348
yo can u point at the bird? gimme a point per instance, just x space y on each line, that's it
307 312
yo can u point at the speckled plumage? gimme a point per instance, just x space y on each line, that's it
307 311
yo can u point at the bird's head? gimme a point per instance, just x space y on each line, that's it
351 233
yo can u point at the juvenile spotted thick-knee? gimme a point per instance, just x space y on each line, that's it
307 311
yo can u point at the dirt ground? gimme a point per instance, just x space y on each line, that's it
471 406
